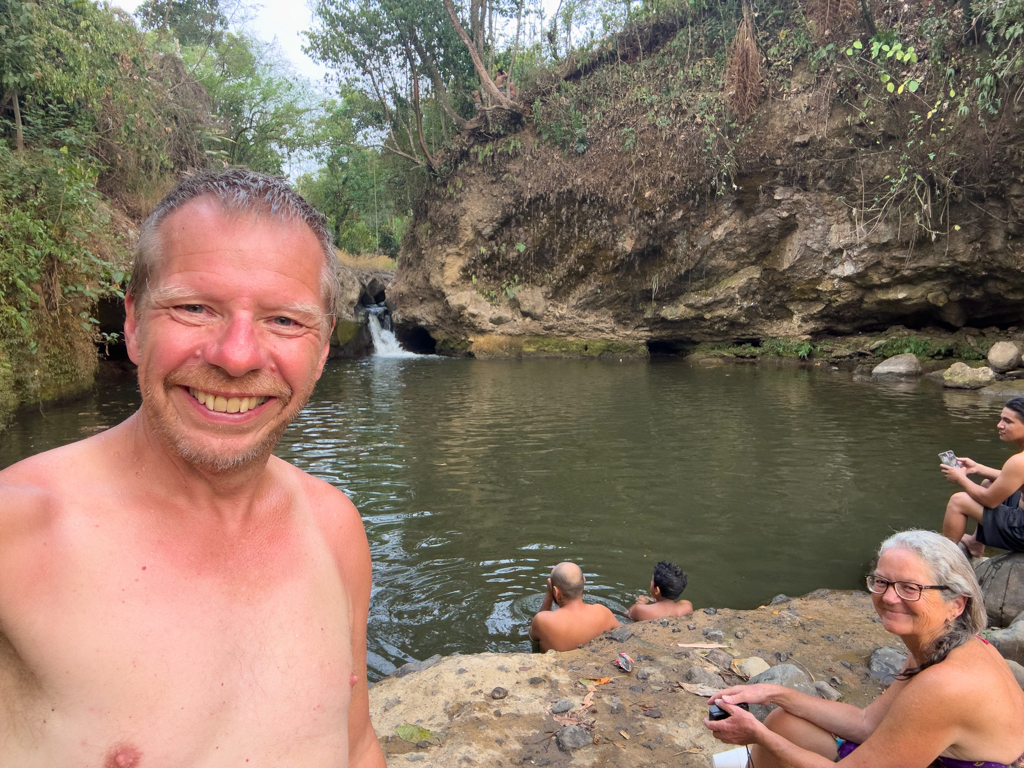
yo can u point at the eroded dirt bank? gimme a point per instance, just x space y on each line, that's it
645 718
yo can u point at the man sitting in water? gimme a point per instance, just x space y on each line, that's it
171 593
996 503
575 622
667 585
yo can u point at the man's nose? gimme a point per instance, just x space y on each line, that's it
237 348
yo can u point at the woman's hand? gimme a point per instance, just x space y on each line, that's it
740 727
748 694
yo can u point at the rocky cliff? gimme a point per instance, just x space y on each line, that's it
670 222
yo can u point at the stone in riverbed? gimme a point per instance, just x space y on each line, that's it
499 693
826 691
898 365
1009 388
714 635
962 376
1004 356
885 664
416 666
572 737
1002 582
622 634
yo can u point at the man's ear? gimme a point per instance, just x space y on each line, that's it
131 329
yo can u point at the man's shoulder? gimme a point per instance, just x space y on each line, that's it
328 503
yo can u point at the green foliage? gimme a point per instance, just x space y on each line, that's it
193 22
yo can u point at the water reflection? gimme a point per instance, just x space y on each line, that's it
475 477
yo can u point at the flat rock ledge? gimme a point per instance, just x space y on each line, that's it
644 718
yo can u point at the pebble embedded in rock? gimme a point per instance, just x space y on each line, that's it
655 713
739 634
535 680
691 626
779 599
636 689
499 693
563 705
714 635
664 622
676 629
573 737
710 611
415 757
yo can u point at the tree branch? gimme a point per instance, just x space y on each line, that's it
485 79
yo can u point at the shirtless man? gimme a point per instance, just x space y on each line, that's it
667 585
575 622
994 505
171 594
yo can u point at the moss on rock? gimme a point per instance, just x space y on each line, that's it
553 346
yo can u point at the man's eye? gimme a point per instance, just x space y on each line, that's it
283 322
193 309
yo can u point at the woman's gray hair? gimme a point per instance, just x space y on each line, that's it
239 191
950 568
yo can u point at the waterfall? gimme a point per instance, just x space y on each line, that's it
384 342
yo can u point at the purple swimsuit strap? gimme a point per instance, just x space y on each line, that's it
847 747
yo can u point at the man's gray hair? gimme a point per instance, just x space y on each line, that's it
950 568
239 192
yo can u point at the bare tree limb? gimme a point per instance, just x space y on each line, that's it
485 79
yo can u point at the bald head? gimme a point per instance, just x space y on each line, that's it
569 579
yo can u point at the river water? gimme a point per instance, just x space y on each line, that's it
475 477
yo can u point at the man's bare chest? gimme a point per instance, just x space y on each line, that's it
132 645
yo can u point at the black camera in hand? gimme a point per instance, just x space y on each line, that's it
715 712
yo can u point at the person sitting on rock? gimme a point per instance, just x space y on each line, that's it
954 704
575 622
667 585
995 504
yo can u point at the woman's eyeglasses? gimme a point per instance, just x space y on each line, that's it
906 590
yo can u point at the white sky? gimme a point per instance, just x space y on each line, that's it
283 20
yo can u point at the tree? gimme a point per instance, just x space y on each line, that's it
193 22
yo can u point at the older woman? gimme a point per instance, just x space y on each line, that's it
955 704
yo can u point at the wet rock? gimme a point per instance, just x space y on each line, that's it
898 365
885 664
499 693
788 675
962 376
779 599
1007 389
826 691
621 635
1004 356
562 705
714 635
572 737
416 666
1002 581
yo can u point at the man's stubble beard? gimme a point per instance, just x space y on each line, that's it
210 378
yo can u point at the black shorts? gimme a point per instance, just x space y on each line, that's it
1003 526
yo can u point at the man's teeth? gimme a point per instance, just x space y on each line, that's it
223 404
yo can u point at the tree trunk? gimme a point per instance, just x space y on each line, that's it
435 77
485 79
19 135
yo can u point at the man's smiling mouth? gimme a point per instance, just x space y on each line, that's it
223 404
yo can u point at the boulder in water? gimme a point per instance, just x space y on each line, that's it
898 365
1004 356
1002 581
962 376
